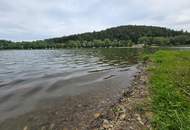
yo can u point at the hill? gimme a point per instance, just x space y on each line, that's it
112 37
130 32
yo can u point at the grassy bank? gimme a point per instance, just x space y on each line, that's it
170 89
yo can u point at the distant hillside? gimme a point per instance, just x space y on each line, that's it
122 36
130 32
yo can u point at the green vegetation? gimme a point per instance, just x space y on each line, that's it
123 36
125 33
159 41
170 89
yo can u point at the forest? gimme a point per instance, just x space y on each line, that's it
122 36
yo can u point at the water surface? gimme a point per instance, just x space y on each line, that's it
32 77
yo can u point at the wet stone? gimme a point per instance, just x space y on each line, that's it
106 124
25 128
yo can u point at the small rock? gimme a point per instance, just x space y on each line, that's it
143 79
131 128
103 102
25 128
56 113
111 126
139 119
52 126
135 83
79 105
106 124
96 115
122 116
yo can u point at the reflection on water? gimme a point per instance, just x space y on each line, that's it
17 67
29 76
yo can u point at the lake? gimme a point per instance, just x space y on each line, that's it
68 81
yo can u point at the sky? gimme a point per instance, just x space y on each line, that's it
41 19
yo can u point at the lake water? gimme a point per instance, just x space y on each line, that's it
30 78
20 68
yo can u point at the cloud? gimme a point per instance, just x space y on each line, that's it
39 19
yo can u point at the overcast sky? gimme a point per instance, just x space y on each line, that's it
39 19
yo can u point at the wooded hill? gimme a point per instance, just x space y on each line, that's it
112 37
130 32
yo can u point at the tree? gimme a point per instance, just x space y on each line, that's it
161 41
130 43
145 40
180 40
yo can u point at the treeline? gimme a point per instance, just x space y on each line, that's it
144 41
70 44
24 45
165 41
123 36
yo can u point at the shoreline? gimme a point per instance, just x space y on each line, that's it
132 111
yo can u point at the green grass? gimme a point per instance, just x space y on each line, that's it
170 89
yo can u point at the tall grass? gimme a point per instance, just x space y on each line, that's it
170 90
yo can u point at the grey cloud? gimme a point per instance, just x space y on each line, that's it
39 19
